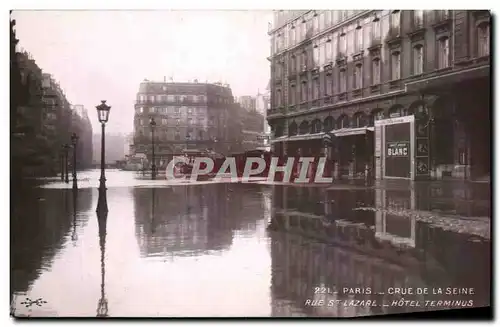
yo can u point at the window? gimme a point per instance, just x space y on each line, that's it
303 95
344 122
395 66
376 71
152 110
376 29
151 98
316 88
443 53
418 18
321 49
190 121
190 111
395 18
315 55
359 39
278 98
359 120
177 110
330 49
177 121
342 44
342 80
418 59
164 121
177 135
329 85
201 98
200 135
322 20
483 40
292 94
358 77
140 110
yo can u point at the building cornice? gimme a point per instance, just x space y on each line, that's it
322 33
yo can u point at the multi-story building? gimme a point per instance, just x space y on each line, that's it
337 72
262 106
247 102
187 116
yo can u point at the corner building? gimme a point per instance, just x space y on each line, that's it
335 73
190 116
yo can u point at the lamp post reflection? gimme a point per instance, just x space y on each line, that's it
153 224
74 141
74 236
102 306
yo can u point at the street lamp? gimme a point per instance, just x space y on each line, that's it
66 177
62 163
152 123
74 141
103 115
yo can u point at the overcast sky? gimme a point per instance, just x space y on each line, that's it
104 55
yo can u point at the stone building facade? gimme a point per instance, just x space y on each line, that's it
334 73
187 116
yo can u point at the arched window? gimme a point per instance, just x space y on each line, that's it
328 124
316 126
483 40
343 122
359 120
395 112
304 127
292 129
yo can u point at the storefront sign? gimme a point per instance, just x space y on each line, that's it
398 149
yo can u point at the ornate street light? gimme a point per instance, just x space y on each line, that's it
103 116
152 123
74 141
66 149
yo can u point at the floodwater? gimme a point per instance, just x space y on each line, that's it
233 249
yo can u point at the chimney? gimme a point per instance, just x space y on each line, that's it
164 79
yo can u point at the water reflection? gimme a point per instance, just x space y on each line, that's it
372 238
193 220
43 221
102 219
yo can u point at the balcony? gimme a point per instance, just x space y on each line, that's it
393 37
442 20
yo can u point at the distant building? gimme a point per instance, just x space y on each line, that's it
115 147
247 102
187 116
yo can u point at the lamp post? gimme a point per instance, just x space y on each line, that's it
66 170
74 141
152 123
62 163
103 115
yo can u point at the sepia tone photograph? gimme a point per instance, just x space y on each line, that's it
195 163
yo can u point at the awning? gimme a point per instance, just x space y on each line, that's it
352 131
301 137
448 79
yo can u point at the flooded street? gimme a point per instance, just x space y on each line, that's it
221 249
